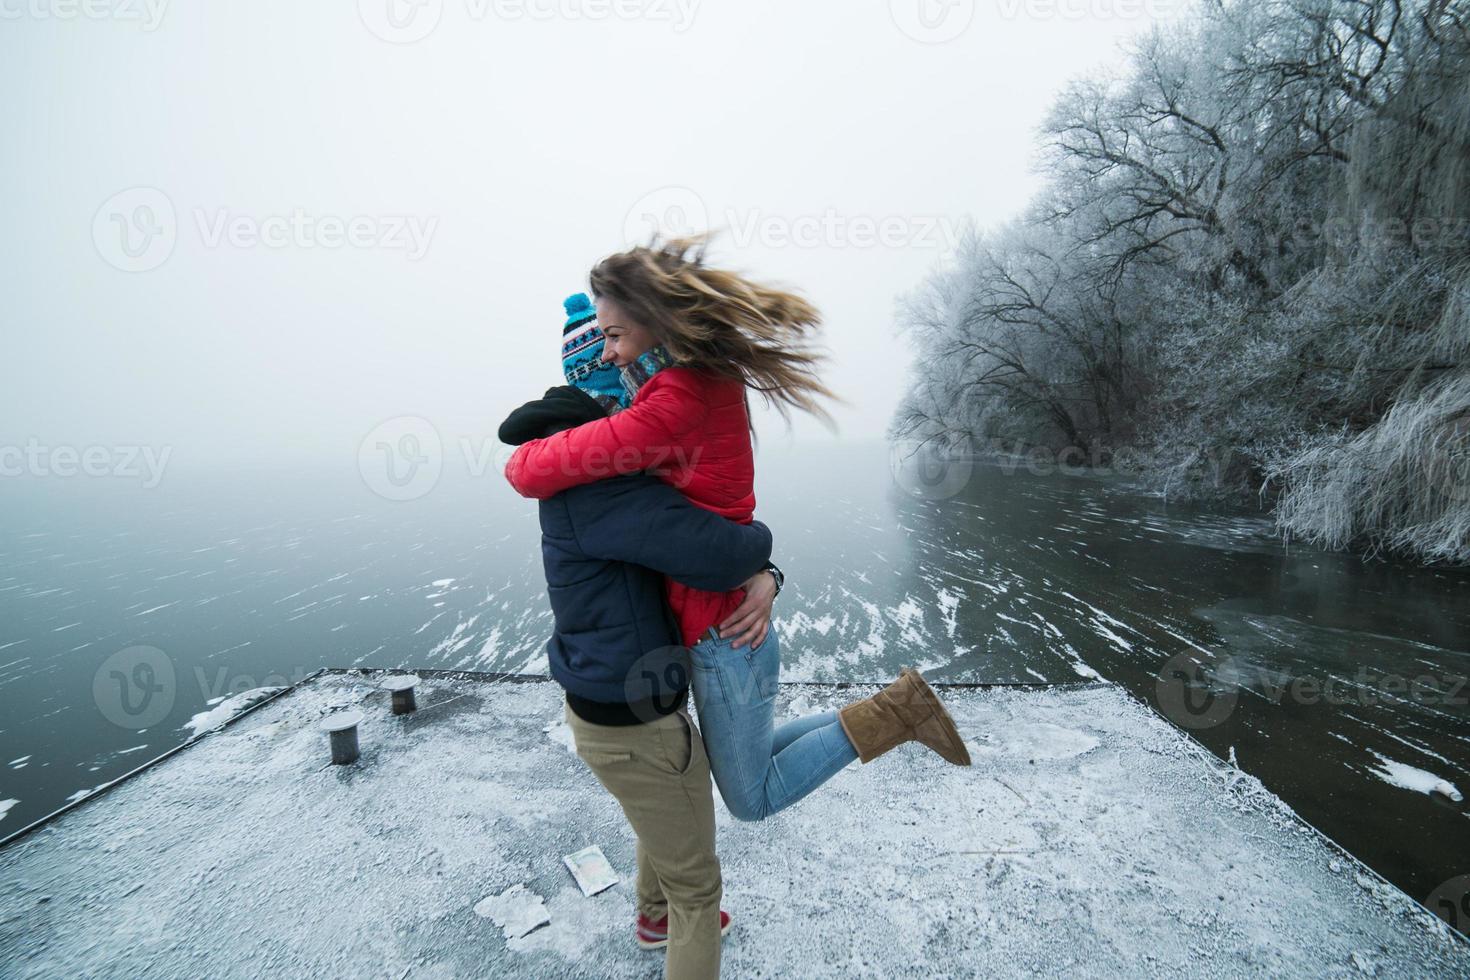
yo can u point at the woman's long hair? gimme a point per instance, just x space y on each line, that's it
719 321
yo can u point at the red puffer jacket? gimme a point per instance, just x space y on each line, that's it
691 429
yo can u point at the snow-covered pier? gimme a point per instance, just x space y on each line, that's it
1090 838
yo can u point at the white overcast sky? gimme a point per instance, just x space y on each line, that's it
520 140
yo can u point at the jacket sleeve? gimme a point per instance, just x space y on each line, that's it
645 434
641 519
561 407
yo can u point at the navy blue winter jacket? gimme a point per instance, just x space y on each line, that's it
606 547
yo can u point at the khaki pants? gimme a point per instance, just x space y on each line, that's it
659 774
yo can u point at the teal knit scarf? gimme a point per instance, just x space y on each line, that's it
644 366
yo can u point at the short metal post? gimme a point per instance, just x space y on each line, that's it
342 727
402 686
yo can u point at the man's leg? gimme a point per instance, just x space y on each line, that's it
651 900
659 774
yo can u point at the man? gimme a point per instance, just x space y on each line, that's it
606 547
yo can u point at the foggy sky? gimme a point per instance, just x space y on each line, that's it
368 223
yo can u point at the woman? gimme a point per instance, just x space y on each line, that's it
689 340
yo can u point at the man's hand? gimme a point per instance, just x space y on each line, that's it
750 620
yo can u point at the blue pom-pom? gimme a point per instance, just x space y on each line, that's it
577 303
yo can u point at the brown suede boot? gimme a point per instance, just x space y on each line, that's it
907 710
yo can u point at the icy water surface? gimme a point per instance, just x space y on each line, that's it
1338 682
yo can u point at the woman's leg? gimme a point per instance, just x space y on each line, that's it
794 728
759 770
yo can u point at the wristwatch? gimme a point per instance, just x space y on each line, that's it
777 575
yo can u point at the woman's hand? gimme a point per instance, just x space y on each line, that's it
752 617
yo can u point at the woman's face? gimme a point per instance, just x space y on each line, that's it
625 338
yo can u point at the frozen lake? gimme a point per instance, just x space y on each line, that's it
1339 683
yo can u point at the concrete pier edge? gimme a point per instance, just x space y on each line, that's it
1203 754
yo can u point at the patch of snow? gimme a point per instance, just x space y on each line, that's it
217 716
558 732
793 624
1041 740
949 604
1085 671
909 616
1408 777
516 910
82 794
1117 640
799 707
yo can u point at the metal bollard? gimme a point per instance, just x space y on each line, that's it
402 686
342 727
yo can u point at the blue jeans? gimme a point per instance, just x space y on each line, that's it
760 769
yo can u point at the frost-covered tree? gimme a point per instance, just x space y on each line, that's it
1253 246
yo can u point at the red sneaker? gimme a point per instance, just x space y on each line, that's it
654 933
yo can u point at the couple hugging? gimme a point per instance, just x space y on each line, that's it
660 579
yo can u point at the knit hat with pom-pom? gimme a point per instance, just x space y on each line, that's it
581 355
